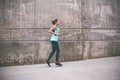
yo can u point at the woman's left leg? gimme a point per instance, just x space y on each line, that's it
57 52
57 55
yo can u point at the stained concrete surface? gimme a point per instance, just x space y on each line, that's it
95 69
93 27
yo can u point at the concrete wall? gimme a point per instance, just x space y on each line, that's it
93 26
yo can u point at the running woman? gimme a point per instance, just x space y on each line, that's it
55 31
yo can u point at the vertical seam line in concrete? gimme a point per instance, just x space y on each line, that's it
34 13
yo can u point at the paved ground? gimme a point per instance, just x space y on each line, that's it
95 69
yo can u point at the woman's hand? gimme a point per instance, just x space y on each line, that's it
65 33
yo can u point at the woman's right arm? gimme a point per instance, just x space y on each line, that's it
51 29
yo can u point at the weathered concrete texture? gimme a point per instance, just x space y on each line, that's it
101 13
17 13
24 24
30 52
67 11
101 49
96 69
102 34
5 34
73 34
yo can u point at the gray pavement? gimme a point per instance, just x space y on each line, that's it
94 69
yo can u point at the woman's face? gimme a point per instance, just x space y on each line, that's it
58 22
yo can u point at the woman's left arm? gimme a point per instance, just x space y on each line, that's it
61 34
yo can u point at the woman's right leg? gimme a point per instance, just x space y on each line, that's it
52 52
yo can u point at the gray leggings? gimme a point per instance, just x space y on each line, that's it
55 48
